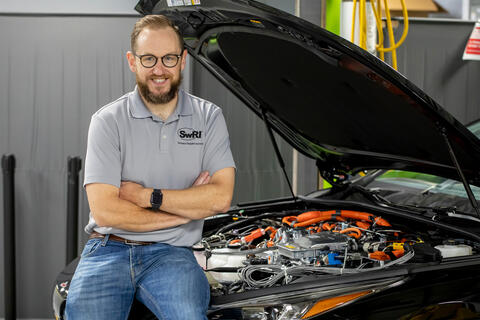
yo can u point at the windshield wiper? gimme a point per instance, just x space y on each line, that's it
450 212
373 194
432 212
461 215
367 179
435 212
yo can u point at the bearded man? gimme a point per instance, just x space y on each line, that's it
158 162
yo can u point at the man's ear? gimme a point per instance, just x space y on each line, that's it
131 61
184 59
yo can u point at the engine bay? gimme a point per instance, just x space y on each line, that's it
279 248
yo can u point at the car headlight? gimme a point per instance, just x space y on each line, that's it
302 310
304 303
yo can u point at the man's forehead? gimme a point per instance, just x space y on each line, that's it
158 39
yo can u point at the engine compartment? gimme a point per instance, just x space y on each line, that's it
279 248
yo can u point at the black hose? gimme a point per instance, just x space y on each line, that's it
245 221
8 169
74 166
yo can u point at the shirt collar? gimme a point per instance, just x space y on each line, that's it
139 110
184 105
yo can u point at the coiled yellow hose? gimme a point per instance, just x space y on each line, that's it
377 12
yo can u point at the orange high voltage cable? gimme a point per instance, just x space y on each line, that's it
312 217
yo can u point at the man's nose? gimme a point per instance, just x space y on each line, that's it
158 69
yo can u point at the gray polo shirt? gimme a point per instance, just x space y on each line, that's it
126 142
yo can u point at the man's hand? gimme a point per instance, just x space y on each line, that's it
201 201
139 195
203 178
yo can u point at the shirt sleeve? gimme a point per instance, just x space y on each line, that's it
103 161
217 154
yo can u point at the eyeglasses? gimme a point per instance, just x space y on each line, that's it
149 60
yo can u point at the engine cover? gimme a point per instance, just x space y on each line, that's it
313 246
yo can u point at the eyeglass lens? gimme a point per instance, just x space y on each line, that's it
169 60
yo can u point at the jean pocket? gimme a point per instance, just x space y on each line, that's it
91 246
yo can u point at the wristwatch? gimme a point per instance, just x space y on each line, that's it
156 199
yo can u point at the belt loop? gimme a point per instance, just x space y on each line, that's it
105 239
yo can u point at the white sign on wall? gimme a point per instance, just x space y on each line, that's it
472 50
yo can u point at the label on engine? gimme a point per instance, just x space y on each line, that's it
397 246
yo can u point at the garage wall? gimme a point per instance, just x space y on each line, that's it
69 6
55 72
431 58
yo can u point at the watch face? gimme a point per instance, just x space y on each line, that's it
156 199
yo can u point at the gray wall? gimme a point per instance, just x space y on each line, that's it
69 6
285 5
54 73
431 58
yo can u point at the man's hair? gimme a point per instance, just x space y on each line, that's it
153 22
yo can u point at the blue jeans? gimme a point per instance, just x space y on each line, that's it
166 279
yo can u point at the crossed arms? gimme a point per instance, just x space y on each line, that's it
126 207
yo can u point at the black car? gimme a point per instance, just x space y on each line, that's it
397 236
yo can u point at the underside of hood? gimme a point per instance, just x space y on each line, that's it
329 99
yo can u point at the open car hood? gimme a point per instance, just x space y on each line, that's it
329 99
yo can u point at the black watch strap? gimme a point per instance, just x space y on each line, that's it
156 199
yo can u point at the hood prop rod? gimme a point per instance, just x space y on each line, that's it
470 194
277 152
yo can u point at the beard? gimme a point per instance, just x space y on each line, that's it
160 98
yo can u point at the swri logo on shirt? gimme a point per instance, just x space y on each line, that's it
190 136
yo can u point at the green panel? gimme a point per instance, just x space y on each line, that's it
332 17
326 185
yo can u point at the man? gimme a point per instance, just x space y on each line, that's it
158 162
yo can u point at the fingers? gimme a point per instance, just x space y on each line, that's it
203 178
206 177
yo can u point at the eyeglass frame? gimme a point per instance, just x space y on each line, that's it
157 58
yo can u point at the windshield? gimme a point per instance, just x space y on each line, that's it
424 189
427 183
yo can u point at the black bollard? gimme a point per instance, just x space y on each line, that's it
74 167
8 169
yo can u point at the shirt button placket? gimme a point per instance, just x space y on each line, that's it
163 140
